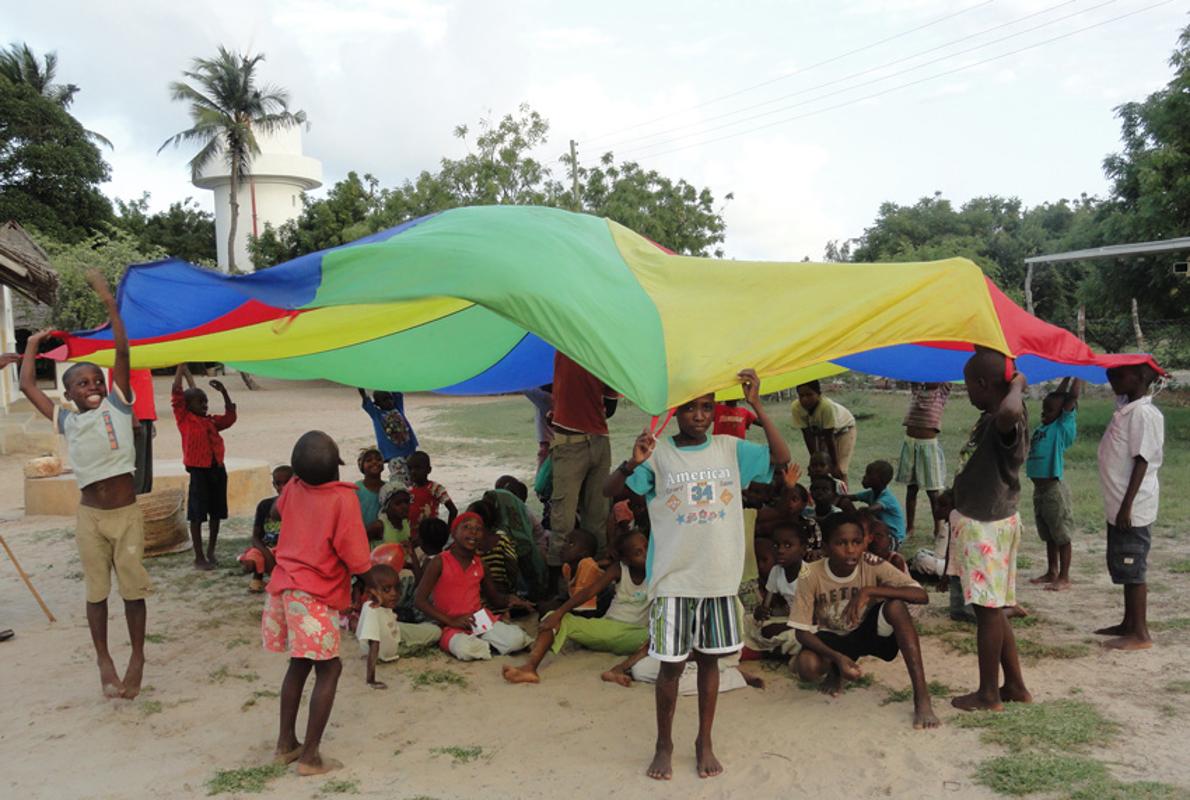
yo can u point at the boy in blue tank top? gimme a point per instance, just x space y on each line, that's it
693 482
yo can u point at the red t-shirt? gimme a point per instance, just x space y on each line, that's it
141 383
202 446
732 420
578 398
322 543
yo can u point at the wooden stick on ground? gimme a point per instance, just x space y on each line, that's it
25 578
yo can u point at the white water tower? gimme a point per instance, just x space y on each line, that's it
271 193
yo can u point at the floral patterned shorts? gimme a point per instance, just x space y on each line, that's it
983 556
296 623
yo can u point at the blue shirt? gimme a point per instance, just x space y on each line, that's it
890 513
394 435
1048 448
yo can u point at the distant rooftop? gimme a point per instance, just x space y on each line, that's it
1181 244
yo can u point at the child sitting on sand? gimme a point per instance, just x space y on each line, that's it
381 637
880 544
693 482
425 495
580 570
1053 507
258 558
765 633
882 502
367 489
202 455
622 630
450 594
110 531
322 544
837 621
394 512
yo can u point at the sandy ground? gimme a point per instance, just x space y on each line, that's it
207 705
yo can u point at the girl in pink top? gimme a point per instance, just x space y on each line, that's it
451 593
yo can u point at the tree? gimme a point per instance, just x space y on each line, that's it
77 306
501 169
226 108
20 65
183 230
50 170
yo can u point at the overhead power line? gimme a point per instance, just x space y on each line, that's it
632 139
787 75
899 87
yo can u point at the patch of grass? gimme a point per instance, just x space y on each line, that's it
1181 567
1112 789
156 638
257 695
149 707
74 576
1031 621
244 780
1029 648
437 677
961 643
340 786
808 686
1175 624
239 641
223 673
1029 773
1178 687
864 681
1024 562
461 755
1055 725
935 688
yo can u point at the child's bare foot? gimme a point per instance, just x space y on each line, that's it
132 677
286 754
973 702
1112 630
256 586
755 681
525 674
1015 694
661 768
317 766
214 562
704 756
617 676
1015 611
832 684
109 679
203 564
923 715
1048 577
1128 642
1059 585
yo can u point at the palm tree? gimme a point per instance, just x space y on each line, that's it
226 108
19 64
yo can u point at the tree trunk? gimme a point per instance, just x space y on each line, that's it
249 381
235 215
1140 336
1029 288
1081 323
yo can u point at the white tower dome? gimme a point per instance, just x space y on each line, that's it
271 193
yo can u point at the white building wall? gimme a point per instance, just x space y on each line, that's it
270 194
9 379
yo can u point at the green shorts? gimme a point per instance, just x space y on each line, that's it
1053 511
922 464
600 633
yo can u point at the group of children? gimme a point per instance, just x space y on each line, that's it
715 549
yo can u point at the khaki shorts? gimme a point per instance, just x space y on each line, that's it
1053 510
113 538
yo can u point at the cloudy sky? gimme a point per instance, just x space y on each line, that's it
812 113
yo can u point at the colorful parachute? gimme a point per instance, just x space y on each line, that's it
474 300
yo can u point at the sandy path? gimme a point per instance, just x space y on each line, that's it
202 712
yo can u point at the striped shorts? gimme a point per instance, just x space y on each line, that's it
678 625
923 464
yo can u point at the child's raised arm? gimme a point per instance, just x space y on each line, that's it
642 448
228 417
1012 407
182 372
778 450
29 387
1076 388
120 367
